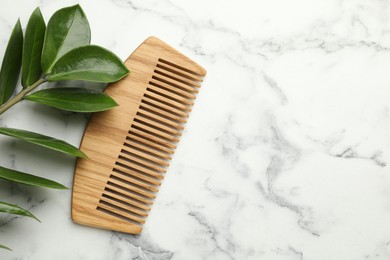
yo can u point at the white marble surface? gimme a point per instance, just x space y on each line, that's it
285 156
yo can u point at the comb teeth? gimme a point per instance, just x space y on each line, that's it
150 143
130 147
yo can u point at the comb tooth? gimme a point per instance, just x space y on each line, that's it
157 87
130 207
155 180
128 193
130 186
139 138
151 100
180 74
132 158
166 100
186 84
154 135
163 113
124 176
133 166
119 211
155 124
159 119
141 153
189 72
107 210
126 199
147 149
150 129
174 87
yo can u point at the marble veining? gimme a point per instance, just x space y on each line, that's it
285 155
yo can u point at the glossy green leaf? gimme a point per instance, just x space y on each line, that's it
32 48
43 140
28 179
89 63
73 99
68 28
16 210
4 247
12 61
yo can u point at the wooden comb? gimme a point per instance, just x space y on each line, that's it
130 146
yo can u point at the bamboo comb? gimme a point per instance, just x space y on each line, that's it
130 146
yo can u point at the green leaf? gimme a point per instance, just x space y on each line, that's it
12 61
68 28
32 49
73 99
43 140
4 247
13 209
89 63
28 179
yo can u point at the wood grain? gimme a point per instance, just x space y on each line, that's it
130 146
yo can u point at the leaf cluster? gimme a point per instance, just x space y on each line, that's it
61 50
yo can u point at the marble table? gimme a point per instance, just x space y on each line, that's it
285 155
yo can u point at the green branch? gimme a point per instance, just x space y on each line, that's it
20 96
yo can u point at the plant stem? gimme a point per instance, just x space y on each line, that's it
20 96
